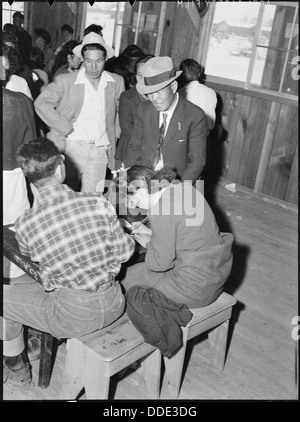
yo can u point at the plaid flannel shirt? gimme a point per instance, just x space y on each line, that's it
75 237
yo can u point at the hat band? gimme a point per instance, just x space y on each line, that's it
158 79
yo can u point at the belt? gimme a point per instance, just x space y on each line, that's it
102 288
106 286
94 142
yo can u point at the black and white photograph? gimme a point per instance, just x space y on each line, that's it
150 204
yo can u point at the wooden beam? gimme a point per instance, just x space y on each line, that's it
267 147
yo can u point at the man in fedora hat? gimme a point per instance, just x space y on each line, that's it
81 110
168 130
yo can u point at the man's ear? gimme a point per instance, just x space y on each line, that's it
174 86
60 172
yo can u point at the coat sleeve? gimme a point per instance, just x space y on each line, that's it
30 132
46 106
121 88
197 146
161 250
126 117
136 141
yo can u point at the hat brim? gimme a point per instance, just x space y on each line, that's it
149 89
109 50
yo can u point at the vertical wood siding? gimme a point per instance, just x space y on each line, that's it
261 149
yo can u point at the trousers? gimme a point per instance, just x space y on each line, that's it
64 313
87 164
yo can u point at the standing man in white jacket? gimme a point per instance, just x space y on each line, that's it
81 110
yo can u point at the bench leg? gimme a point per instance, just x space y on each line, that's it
174 367
73 376
218 341
47 343
151 368
97 381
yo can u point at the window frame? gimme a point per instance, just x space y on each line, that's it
159 31
246 86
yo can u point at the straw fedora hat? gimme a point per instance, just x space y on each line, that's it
93 38
158 72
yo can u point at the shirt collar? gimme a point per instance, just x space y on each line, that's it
53 193
82 79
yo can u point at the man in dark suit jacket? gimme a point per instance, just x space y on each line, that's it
183 147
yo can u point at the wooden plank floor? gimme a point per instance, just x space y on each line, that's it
261 353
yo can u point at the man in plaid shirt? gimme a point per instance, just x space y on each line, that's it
79 244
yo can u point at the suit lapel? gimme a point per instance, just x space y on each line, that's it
175 123
109 93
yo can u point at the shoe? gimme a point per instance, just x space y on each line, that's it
18 377
33 344
5 372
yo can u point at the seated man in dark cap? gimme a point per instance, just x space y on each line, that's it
168 130
43 41
24 38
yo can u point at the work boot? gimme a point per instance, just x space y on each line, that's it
5 372
16 371
34 344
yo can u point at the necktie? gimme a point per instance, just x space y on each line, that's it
158 154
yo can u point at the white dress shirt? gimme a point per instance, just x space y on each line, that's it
90 125
203 97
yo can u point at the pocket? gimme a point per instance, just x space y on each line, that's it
119 305
70 321
75 313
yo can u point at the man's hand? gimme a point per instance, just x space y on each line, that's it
141 233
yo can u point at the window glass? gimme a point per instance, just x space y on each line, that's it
254 45
139 25
232 39
8 10
103 14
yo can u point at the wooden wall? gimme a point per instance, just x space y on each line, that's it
261 147
180 36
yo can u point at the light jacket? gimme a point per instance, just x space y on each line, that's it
60 103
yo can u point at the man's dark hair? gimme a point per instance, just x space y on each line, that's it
133 51
41 32
190 65
94 46
14 60
67 28
193 67
62 57
18 15
93 28
138 172
38 159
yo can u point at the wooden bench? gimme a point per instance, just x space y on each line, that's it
92 360
213 318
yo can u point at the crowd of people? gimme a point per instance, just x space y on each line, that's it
76 118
